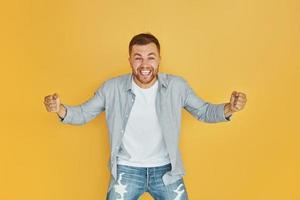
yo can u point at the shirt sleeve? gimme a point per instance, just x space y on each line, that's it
86 111
201 109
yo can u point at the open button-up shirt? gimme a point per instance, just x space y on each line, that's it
116 98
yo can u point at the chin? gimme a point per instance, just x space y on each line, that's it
146 81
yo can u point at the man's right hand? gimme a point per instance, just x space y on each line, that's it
52 104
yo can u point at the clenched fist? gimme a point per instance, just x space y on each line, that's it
237 102
52 104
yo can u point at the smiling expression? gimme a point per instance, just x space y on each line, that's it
144 61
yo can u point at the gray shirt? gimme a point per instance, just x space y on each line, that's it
116 98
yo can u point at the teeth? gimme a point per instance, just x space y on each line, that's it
144 72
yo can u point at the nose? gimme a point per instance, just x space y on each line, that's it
145 63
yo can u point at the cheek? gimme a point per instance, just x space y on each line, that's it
154 64
134 69
135 65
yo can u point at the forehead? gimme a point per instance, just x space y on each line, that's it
144 49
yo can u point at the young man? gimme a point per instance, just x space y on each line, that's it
143 113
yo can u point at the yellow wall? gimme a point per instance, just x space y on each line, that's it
71 47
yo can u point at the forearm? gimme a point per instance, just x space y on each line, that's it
82 113
76 115
214 113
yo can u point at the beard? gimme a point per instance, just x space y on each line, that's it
145 75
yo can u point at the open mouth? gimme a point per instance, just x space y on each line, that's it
145 72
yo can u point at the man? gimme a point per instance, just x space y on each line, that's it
143 113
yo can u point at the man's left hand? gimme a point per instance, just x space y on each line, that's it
237 103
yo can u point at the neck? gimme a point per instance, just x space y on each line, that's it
143 85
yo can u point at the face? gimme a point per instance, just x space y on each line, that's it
144 61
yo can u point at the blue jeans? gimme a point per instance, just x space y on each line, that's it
132 182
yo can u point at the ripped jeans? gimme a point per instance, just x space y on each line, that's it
132 182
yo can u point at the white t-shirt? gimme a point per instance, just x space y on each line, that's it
143 144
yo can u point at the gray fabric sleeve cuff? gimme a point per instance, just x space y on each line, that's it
68 116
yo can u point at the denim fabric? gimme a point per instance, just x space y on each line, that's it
132 182
116 98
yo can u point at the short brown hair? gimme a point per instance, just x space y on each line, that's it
143 39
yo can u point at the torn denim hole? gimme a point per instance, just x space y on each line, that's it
120 188
179 193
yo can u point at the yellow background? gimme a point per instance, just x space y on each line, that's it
71 47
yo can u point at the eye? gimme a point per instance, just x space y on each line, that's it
151 58
137 58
